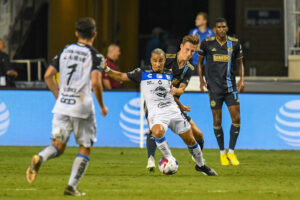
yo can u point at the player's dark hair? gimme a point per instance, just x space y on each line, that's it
203 14
158 51
86 27
221 20
195 40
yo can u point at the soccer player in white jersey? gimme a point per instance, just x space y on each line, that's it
163 111
79 67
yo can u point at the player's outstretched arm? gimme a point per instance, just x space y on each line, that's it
118 76
241 85
200 72
98 90
50 80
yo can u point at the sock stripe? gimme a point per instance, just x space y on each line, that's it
84 156
159 140
236 125
194 147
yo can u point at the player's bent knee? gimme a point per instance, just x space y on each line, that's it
59 146
158 131
236 119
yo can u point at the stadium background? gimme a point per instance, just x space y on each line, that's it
268 146
39 29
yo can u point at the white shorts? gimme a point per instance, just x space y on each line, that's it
176 121
84 129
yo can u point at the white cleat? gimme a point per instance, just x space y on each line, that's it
151 164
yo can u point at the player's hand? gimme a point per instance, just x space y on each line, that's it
186 108
203 86
241 85
104 111
173 90
104 64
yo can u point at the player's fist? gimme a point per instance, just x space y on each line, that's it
173 90
203 86
241 85
104 111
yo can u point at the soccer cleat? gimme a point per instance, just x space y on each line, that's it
33 169
233 159
151 164
224 160
73 192
206 170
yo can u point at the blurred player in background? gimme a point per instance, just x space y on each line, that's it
220 52
203 32
182 71
113 54
163 111
79 67
6 70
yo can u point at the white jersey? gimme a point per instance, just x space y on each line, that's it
156 90
75 64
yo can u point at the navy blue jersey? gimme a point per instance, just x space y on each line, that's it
219 72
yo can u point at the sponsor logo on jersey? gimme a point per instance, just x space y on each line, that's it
288 123
164 104
213 49
4 118
159 76
221 58
161 91
130 122
150 82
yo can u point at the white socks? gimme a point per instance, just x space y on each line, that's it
163 146
224 151
78 169
48 153
230 151
197 154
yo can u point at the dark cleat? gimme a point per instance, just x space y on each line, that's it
206 170
73 192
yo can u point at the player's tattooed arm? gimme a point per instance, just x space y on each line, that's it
178 91
240 84
201 75
181 106
50 80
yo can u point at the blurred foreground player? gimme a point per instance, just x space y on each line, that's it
79 67
220 52
182 71
163 111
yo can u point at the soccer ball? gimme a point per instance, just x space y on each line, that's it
168 166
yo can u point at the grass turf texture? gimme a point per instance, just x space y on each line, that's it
120 173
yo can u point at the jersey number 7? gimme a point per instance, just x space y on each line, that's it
73 67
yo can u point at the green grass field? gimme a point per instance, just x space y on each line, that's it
120 173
